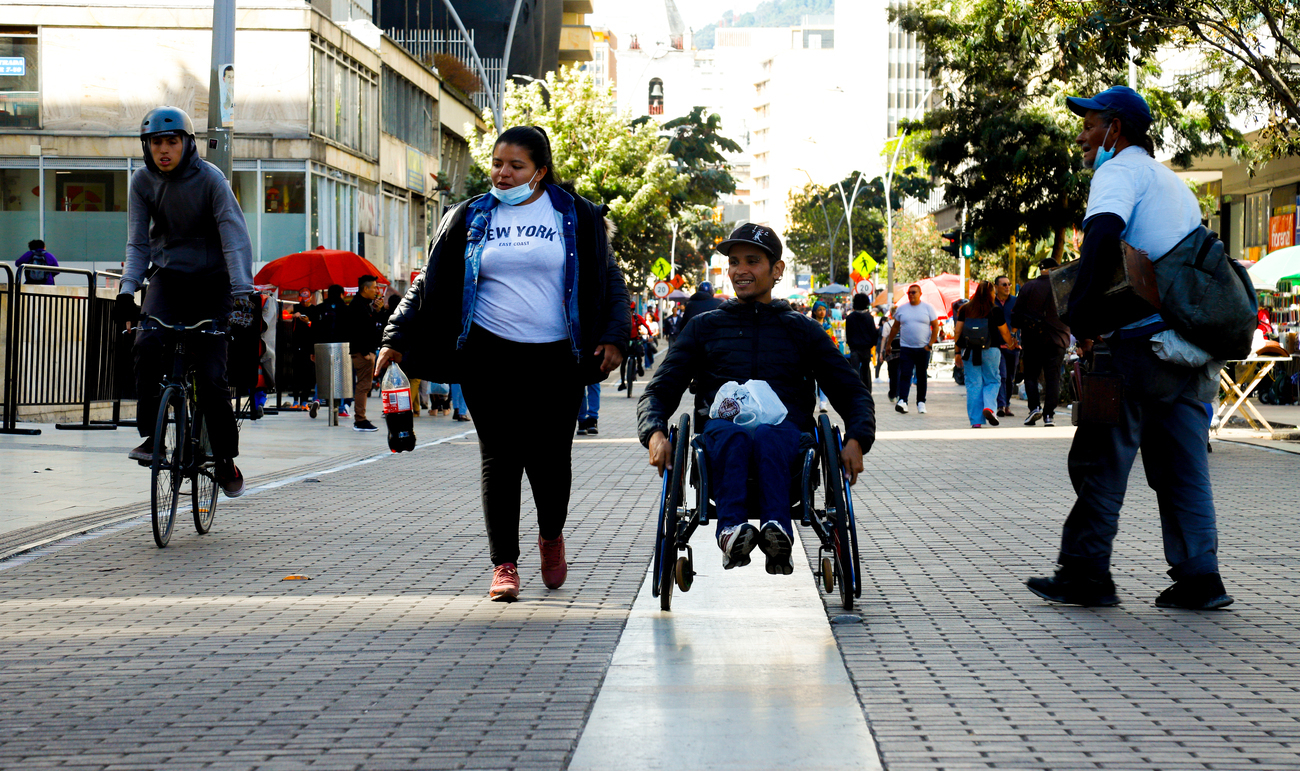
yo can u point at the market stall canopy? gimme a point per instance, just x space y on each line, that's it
833 289
678 295
317 269
1275 265
939 291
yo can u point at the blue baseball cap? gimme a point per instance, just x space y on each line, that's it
1130 105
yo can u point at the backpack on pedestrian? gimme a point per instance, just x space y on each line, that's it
1207 297
38 276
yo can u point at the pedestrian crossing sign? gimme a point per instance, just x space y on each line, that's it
661 268
864 264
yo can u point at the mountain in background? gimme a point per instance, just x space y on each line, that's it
772 13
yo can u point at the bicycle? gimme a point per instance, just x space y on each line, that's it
635 355
181 450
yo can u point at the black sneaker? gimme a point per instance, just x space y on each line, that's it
229 478
776 544
990 417
1049 420
622 387
591 428
364 425
143 453
582 430
1070 588
1204 592
736 543
1034 415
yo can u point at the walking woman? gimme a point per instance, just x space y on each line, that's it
520 283
980 322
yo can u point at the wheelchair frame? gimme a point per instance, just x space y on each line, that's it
836 528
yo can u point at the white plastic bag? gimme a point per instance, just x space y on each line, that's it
750 404
1174 348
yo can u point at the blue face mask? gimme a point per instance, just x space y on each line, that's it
1103 154
515 195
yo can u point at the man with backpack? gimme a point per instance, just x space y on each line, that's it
1044 340
1148 401
36 256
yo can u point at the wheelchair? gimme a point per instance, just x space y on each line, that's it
818 463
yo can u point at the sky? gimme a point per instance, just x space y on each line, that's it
624 16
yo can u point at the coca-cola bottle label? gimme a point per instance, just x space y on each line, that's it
397 401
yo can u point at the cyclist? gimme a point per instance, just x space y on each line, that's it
636 348
187 228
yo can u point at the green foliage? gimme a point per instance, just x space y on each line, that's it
698 146
916 250
772 13
606 158
698 232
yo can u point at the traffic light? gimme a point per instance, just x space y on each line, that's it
953 247
967 245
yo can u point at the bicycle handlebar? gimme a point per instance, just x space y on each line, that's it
180 327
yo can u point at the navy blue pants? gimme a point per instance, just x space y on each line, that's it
1007 369
735 454
914 361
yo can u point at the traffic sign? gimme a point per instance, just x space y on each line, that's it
662 289
864 264
867 287
661 268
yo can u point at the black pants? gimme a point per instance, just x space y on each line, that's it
891 368
1047 360
180 298
860 360
914 361
524 398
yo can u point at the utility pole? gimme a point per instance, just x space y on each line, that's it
221 95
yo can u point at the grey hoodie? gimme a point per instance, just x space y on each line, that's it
197 225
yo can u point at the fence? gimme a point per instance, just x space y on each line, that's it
60 349
424 43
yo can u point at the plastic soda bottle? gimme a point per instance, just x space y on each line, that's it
396 394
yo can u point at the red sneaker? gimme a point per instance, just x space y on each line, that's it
505 583
554 568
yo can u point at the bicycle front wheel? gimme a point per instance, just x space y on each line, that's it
168 461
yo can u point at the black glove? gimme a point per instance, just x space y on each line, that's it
125 309
242 315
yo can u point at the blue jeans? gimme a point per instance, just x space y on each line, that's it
734 454
1007 370
983 383
458 400
590 409
913 360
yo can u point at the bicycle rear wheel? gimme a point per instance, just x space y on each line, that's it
168 458
203 486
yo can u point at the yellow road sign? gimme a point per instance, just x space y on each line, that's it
661 268
864 264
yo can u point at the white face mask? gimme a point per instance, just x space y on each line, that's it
1103 154
515 195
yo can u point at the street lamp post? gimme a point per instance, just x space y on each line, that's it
889 209
848 214
830 237
495 98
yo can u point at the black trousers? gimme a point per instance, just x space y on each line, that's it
524 398
1047 360
860 360
187 299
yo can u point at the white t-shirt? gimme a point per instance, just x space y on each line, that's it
914 323
1157 207
521 277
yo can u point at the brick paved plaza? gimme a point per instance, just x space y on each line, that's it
115 654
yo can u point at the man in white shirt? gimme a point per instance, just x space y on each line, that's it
1162 408
916 324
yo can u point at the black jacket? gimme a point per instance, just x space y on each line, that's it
362 326
700 302
860 331
1035 315
744 341
425 325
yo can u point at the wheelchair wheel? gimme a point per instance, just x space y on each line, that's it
837 510
828 574
685 575
851 524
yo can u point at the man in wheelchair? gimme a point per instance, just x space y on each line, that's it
754 337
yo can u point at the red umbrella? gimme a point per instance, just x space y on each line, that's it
939 291
317 269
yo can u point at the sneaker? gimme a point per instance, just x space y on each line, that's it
582 428
1203 592
364 425
343 412
591 427
776 544
736 543
505 583
1007 413
1049 420
900 406
1071 588
990 417
977 425
463 417
229 478
1034 415
920 408
1002 413
554 568
144 452
622 386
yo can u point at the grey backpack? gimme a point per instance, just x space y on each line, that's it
1207 297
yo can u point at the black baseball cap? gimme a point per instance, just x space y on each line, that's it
1128 103
761 236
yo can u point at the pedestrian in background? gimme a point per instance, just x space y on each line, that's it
36 256
1010 363
673 325
1044 339
979 325
917 327
304 350
702 301
589 412
862 337
360 324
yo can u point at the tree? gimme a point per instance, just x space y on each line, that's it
698 146
606 158
916 249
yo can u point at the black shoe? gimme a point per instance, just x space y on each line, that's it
1007 413
776 544
229 478
1203 592
990 417
591 428
143 453
622 386
1070 588
582 430
1049 420
364 425
1034 415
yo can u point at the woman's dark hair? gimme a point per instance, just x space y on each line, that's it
861 302
538 145
335 292
1134 132
981 303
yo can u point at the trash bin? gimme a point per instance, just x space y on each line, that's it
333 376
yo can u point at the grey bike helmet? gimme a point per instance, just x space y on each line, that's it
166 121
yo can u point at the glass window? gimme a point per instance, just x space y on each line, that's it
20 102
334 212
284 214
409 113
20 210
345 100
245 186
85 215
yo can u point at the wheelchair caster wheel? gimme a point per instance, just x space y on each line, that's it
828 574
685 574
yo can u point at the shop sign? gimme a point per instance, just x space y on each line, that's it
13 65
1281 231
803 280
414 170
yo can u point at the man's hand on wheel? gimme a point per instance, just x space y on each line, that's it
612 357
661 451
386 357
850 458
